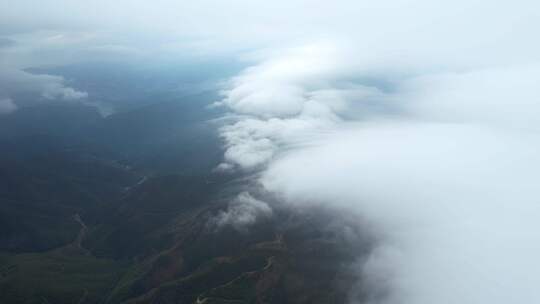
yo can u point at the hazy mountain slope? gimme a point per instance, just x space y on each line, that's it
122 209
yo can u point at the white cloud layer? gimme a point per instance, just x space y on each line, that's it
295 95
444 163
456 203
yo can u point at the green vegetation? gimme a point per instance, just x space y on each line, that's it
56 277
121 211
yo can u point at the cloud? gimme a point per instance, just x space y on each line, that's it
17 83
251 142
504 96
7 106
442 164
295 95
242 212
388 33
6 42
456 202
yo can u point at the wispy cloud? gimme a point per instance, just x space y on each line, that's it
242 211
7 106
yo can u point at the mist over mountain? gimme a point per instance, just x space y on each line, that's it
128 206
297 151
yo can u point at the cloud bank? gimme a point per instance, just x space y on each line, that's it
442 163
298 94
